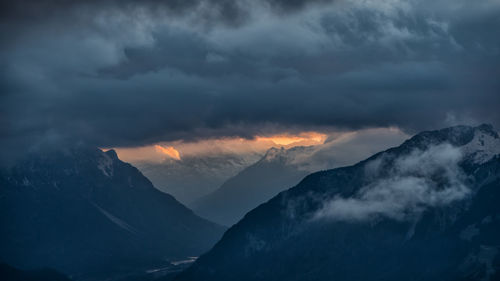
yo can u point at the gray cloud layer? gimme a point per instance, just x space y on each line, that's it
130 73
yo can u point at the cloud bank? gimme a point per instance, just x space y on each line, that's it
128 73
415 183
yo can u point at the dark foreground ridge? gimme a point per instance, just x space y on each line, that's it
426 210
9 273
85 213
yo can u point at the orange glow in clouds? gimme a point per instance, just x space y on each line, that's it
170 151
258 145
307 138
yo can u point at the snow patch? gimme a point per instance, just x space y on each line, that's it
119 222
273 153
482 147
185 261
105 164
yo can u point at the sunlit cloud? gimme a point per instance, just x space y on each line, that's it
170 151
218 146
258 145
306 138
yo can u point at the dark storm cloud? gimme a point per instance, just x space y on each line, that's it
131 73
208 11
24 9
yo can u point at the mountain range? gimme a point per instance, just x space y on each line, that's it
425 210
86 213
281 168
252 186
194 176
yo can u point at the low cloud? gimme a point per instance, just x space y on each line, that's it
414 183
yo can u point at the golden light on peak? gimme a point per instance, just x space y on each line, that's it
170 151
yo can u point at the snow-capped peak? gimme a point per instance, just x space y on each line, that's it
273 153
484 145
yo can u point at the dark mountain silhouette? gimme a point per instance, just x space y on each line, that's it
426 210
9 273
85 213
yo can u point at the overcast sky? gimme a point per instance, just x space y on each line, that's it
133 73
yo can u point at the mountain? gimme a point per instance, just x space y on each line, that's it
192 177
426 210
9 273
84 212
252 186
281 168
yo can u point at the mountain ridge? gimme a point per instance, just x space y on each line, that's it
85 212
250 187
431 235
194 176
281 168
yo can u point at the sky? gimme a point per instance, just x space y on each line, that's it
258 145
141 73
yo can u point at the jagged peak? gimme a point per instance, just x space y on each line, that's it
273 152
488 129
457 135
112 153
478 144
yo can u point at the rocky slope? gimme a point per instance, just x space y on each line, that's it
426 210
86 213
